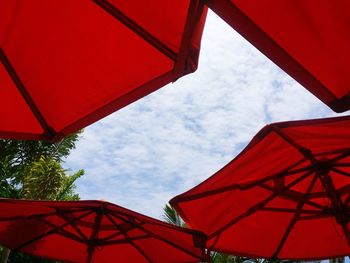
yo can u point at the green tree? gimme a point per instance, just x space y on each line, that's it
172 217
17 155
45 179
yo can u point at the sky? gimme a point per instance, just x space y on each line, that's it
166 143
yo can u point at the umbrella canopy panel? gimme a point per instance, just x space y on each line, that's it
286 195
308 39
65 64
94 231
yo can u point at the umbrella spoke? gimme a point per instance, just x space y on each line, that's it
64 217
295 218
52 231
63 232
13 218
342 191
332 152
122 241
341 164
111 236
258 206
346 232
290 210
26 96
130 240
304 151
293 195
341 156
282 174
119 233
310 217
341 172
154 235
347 200
195 10
246 186
147 36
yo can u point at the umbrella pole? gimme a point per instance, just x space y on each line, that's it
5 255
340 211
92 242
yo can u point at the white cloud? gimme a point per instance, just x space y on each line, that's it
169 141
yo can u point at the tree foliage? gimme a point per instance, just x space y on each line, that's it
172 217
36 162
45 179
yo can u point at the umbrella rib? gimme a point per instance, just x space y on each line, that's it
158 223
257 206
342 190
347 200
341 164
346 232
130 240
36 215
159 237
63 232
52 231
290 210
293 197
194 14
110 237
304 151
75 227
247 213
123 241
28 99
341 156
246 186
281 174
338 171
344 151
140 31
115 235
310 217
295 218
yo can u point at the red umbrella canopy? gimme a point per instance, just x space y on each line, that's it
66 64
94 231
286 195
309 39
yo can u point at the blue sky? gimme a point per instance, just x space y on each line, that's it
169 141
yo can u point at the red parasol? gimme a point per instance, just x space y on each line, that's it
286 195
94 231
309 39
66 64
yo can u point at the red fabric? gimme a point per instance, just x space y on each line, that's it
69 230
75 62
308 39
286 195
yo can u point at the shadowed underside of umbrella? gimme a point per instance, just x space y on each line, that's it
93 231
287 195
66 64
308 39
